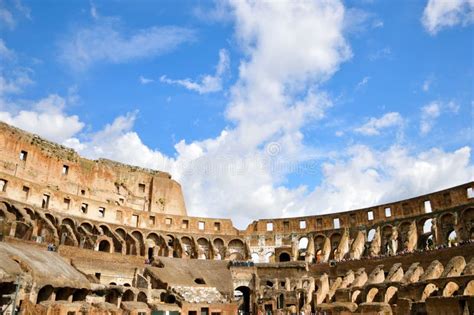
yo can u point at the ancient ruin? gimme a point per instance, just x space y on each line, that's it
99 237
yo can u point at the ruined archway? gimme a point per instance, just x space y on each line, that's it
243 299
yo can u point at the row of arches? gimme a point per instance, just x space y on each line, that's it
31 224
426 232
111 295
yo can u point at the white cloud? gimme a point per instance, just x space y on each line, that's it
439 14
431 111
5 52
207 83
428 115
104 42
6 17
373 126
144 80
363 82
46 118
14 81
366 177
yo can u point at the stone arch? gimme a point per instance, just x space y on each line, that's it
302 247
447 224
391 295
284 256
371 235
187 244
452 238
318 246
139 241
104 245
236 248
219 247
335 239
245 305
128 296
372 295
63 294
450 289
112 297
152 244
203 248
141 297
469 289
116 241
44 294
429 290
356 297
79 295
68 232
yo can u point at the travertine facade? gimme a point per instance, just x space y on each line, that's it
125 245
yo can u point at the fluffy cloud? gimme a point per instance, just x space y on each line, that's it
207 83
365 177
439 14
104 42
46 118
373 126
431 111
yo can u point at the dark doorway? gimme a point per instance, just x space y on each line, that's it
245 305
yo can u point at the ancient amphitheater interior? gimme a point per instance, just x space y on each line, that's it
98 237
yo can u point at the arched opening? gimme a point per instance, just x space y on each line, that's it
302 247
371 235
203 248
301 300
141 243
44 294
219 247
128 296
63 294
335 239
236 249
244 299
281 301
430 289
104 246
452 238
469 289
142 297
79 295
187 246
199 281
284 257
318 247
167 298
391 295
450 289
112 297
269 257
372 295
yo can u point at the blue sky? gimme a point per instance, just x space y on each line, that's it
259 110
